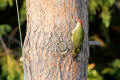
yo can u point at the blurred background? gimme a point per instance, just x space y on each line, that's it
104 23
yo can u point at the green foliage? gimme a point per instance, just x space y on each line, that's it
97 5
11 68
93 74
4 28
23 12
4 3
113 69
105 28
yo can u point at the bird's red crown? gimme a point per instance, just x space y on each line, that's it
79 20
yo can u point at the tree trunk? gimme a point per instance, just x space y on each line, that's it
48 47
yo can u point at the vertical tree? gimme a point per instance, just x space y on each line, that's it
48 47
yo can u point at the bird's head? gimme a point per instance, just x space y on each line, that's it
80 21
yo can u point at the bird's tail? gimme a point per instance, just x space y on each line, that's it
75 52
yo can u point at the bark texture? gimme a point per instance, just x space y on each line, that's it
48 47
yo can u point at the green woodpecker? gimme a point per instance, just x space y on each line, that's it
77 37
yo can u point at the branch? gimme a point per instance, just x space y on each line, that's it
94 43
13 33
6 49
12 38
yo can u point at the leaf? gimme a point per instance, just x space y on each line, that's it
11 68
23 13
93 73
116 64
107 70
106 16
92 6
10 2
4 28
5 3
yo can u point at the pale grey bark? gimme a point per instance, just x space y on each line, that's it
48 47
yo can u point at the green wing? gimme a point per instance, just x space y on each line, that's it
77 36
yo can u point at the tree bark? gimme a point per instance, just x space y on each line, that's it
48 47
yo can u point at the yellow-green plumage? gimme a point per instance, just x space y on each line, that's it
77 38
